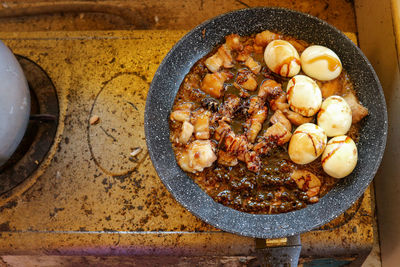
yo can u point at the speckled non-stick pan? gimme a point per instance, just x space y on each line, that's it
200 41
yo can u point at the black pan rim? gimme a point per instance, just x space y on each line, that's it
240 222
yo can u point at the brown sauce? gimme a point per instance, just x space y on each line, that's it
333 63
288 63
271 190
340 143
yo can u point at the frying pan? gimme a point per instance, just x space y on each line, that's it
15 103
200 41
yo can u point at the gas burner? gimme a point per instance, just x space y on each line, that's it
40 132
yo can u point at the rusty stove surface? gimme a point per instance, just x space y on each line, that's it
89 196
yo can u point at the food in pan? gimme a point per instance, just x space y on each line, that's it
266 123
307 143
320 63
340 156
303 95
282 58
335 116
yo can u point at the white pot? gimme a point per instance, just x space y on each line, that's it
15 103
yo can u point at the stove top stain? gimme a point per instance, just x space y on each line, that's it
117 105
89 196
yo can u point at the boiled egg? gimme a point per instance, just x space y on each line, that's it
307 143
340 156
282 58
335 116
321 63
304 95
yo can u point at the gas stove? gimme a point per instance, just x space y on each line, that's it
40 132
85 194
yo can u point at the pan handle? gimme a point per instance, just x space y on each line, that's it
278 252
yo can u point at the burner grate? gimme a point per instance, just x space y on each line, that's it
40 132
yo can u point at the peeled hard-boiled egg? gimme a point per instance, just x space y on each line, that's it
304 95
282 58
335 116
321 63
307 143
340 156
